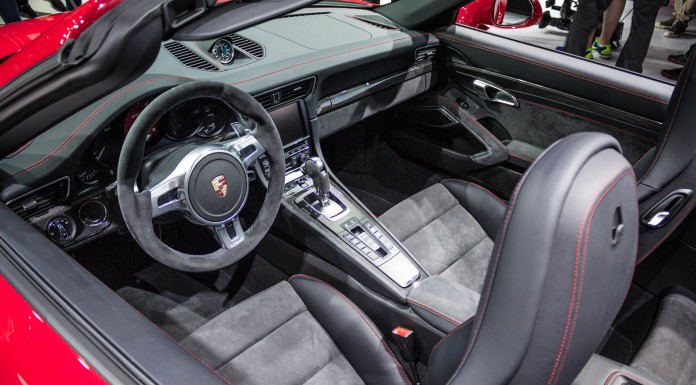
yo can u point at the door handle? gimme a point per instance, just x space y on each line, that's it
494 93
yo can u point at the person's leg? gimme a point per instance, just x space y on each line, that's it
667 24
9 11
638 42
611 20
583 25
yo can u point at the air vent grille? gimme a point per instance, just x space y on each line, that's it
41 199
248 46
425 54
187 57
377 21
286 94
303 14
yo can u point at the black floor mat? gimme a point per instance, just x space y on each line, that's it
362 160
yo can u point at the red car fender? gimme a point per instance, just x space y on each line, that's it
32 352
480 14
32 41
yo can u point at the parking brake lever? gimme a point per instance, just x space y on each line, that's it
322 185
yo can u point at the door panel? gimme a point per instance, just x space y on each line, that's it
532 97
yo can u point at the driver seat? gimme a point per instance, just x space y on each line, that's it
561 266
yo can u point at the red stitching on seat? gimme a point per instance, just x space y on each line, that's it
89 118
364 319
578 279
227 381
445 37
478 186
609 126
433 311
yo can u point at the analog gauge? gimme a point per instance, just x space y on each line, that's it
185 120
106 147
223 51
214 120
133 113
87 172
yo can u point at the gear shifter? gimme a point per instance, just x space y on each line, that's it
322 185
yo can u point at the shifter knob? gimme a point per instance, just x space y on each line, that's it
314 167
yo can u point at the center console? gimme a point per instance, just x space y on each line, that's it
308 188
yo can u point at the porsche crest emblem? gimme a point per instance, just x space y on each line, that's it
219 184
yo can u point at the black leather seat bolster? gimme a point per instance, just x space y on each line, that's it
483 205
355 335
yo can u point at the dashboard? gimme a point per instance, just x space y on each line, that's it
317 71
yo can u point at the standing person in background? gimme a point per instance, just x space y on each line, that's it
72 4
642 26
26 10
582 28
681 15
602 45
9 11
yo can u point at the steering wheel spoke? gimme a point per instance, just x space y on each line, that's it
222 234
167 196
248 148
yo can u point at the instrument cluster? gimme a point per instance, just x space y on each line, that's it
197 120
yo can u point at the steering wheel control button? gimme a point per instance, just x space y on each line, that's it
61 229
93 213
217 187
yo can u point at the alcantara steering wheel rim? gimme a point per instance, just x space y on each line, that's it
208 183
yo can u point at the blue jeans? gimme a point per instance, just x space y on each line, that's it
9 11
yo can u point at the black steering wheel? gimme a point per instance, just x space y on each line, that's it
208 183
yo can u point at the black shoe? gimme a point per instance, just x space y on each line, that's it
672 74
26 11
678 59
678 29
57 5
666 24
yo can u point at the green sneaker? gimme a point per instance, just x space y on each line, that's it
603 51
588 54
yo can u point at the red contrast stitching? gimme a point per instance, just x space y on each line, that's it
89 118
609 126
669 126
471 118
20 149
227 381
613 376
578 279
433 311
363 317
327 57
478 186
445 37
676 224
512 154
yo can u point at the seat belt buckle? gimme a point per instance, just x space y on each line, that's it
405 342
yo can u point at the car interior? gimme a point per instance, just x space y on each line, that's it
349 195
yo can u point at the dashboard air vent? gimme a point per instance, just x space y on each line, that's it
285 94
376 21
303 14
248 46
425 54
41 199
187 57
